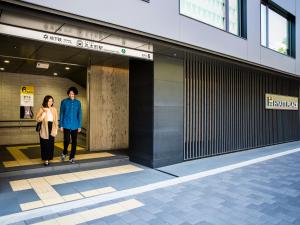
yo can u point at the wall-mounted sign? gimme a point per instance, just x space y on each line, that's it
26 94
26 102
73 42
281 102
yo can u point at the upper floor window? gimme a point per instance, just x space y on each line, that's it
277 28
228 15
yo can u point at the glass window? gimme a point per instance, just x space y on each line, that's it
208 11
277 29
234 22
223 14
263 25
278 32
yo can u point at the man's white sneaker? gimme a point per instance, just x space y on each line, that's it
62 157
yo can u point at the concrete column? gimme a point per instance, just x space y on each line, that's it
108 104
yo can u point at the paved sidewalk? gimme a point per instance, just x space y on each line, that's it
221 190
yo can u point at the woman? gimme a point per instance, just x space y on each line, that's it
47 114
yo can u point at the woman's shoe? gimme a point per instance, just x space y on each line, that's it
46 163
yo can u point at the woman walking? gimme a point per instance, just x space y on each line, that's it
47 114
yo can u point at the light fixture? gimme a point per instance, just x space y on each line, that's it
55 74
2 69
6 61
42 65
67 68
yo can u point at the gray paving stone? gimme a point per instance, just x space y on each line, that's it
263 193
97 222
34 220
19 223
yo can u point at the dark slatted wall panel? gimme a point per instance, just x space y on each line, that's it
224 108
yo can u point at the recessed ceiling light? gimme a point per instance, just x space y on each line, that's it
55 74
2 69
6 61
67 68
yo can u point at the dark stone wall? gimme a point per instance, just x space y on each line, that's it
168 111
141 112
156 111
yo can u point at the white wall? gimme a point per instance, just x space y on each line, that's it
162 18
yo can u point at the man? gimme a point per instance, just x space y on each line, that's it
70 122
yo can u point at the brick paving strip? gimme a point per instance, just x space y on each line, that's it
22 216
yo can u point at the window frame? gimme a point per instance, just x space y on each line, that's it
291 45
242 18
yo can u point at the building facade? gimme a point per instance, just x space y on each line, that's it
205 77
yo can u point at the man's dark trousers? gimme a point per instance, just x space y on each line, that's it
67 134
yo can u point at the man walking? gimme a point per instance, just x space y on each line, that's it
70 122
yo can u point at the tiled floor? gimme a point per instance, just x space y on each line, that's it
260 192
29 155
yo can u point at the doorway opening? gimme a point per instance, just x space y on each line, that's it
50 69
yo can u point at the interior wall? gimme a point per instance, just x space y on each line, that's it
10 103
108 97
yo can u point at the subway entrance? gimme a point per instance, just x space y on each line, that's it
39 69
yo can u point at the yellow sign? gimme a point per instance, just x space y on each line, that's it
26 89
281 102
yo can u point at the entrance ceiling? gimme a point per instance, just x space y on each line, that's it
24 54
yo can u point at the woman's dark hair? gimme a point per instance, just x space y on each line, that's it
46 99
74 89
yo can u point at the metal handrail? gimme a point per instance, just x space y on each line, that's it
24 120
26 126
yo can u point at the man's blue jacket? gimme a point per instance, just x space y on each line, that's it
70 114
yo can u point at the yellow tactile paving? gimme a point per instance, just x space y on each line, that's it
22 160
68 178
45 191
20 185
17 153
11 164
94 155
93 214
47 194
55 179
99 191
61 146
72 197
53 201
83 175
31 205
